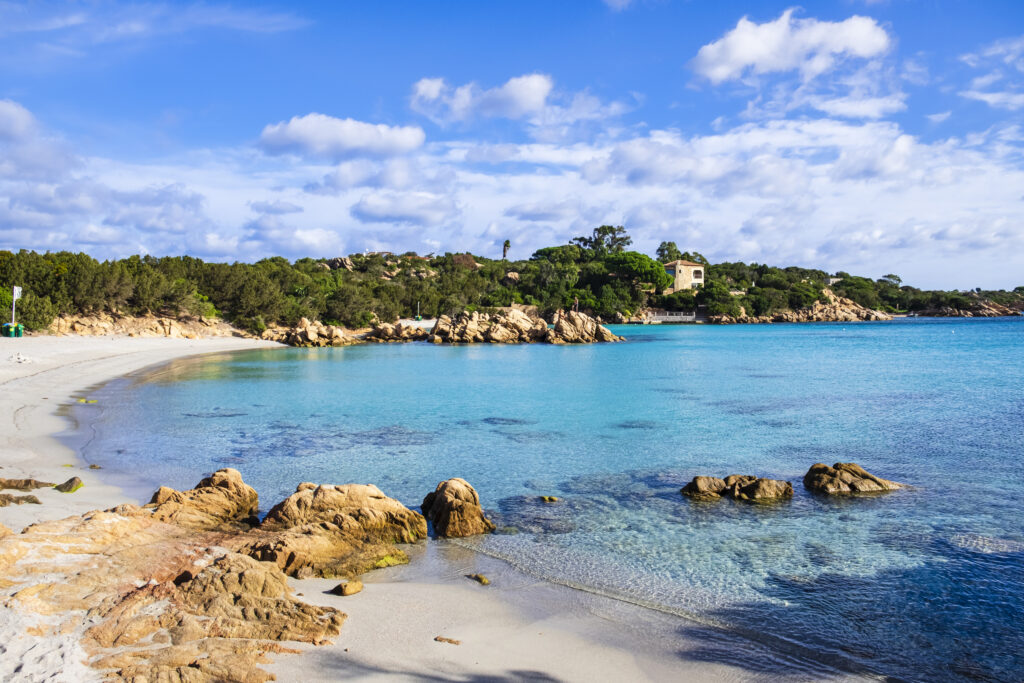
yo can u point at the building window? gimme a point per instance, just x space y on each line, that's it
698 275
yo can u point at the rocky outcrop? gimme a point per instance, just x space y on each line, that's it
845 478
977 308
24 484
399 332
454 509
834 309
339 262
512 326
103 324
221 502
744 487
465 261
334 531
578 328
310 333
8 499
154 601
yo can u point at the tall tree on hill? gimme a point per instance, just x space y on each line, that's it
504 249
606 239
668 252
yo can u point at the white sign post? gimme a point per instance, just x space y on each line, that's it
17 295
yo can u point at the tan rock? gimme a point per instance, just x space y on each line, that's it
350 587
23 484
334 531
704 488
845 478
454 508
218 502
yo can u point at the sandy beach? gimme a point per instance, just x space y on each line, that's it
517 628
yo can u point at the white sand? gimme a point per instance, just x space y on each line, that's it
518 628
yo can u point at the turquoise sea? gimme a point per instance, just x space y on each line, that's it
922 584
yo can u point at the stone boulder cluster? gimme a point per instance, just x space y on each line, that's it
834 309
103 324
842 478
738 487
977 308
399 332
192 586
513 326
310 333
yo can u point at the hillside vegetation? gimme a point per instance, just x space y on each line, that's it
598 270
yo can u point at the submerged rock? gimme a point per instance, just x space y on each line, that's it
335 531
454 508
479 578
704 488
845 477
738 487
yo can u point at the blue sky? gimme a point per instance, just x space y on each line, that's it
872 137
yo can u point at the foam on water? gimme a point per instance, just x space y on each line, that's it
923 583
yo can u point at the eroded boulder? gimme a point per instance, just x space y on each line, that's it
744 487
335 531
454 508
219 502
845 478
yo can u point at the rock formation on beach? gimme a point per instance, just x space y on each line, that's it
334 531
176 590
102 324
845 478
454 508
834 309
738 487
513 326
399 332
310 333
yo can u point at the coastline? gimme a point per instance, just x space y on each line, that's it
519 627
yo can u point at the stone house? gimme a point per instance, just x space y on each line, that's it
685 275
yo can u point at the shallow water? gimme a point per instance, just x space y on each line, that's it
923 584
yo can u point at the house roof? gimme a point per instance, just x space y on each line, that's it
684 263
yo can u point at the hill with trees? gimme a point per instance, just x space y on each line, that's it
597 270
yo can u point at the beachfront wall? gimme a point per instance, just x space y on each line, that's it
685 275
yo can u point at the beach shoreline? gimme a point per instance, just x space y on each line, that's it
519 627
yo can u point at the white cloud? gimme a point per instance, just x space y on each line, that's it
836 194
326 137
939 117
862 107
276 206
810 46
1001 100
1002 61
542 211
531 98
618 5
516 98
16 122
416 208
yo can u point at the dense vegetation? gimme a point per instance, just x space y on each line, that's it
597 270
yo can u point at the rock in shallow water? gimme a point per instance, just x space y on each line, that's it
844 478
739 487
454 508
